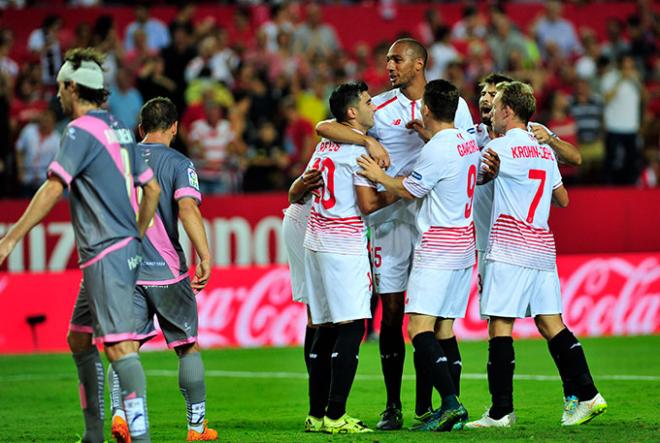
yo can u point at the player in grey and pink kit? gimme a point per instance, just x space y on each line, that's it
99 162
163 286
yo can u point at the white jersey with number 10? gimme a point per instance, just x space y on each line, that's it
521 203
335 222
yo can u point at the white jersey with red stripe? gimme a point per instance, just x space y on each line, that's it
445 178
483 196
335 222
521 202
393 111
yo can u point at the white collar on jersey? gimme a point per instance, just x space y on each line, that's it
405 101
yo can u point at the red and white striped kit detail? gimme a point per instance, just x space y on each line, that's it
446 248
515 242
347 236
298 211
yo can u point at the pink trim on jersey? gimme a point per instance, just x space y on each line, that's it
298 212
382 105
171 281
106 251
446 248
97 127
147 175
341 235
146 337
515 242
57 169
185 341
116 338
81 328
83 396
157 235
187 192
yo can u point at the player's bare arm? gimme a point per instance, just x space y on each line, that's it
373 172
560 197
418 126
191 219
310 180
148 204
567 153
41 204
369 200
490 166
340 133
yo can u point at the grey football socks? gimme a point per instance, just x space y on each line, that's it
116 408
92 380
193 388
133 395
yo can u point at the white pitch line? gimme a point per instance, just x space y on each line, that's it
303 376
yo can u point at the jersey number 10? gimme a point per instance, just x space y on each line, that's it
327 193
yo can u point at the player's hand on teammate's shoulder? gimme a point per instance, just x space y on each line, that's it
202 274
312 179
418 126
370 168
377 152
542 136
490 166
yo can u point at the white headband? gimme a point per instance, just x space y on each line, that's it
89 74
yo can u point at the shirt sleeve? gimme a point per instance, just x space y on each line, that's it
73 156
427 172
142 173
463 118
186 183
556 175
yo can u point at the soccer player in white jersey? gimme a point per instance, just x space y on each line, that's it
338 280
483 198
393 228
444 178
520 273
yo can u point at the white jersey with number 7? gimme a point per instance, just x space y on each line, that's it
528 175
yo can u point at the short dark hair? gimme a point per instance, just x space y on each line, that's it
345 96
494 78
158 114
441 97
519 97
417 48
76 57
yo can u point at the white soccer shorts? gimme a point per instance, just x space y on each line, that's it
393 243
438 292
293 233
517 292
338 286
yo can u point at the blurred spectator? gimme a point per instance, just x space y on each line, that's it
125 100
215 60
314 37
312 103
82 36
152 81
44 42
28 102
564 126
106 39
441 53
374 73
650 176
263 103
587 110
158 37
8 67
266 162
622 93
643 44
472 25
280 20
175 56
141 52
586 65
615 45
284 61
551 27
299 137
503 40
6 151
240 31
427 29
36 147
215 152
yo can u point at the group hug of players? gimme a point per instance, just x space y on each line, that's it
440 190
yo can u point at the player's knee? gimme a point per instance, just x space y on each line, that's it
79 342
549 325
186 349
115 351
392 309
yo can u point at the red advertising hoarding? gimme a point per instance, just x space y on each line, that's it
251 306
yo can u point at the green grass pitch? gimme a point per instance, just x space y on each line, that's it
259 395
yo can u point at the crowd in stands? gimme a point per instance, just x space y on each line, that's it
249 95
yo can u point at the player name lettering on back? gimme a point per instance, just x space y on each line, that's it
541 152
329 146
121 136
467 148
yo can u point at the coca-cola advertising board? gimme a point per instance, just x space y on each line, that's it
251 306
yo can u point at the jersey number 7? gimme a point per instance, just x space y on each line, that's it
536 174
327 194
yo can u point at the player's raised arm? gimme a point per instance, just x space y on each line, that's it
337 132
191 219
310 180
41 204
567 153
148 204
373 172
